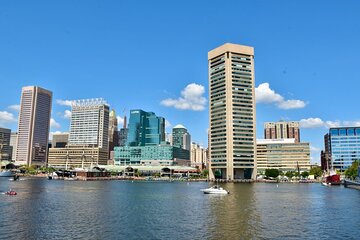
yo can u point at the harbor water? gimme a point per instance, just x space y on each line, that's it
45 209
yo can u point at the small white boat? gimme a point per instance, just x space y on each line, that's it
326 184
215 190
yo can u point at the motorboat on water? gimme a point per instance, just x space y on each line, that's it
215 190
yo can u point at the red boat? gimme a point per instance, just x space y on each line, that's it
332 179
12 193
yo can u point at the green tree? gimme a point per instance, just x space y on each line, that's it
289 174
305 174
29 169
316 171
205 173
217 174
138 173
352 172
273 173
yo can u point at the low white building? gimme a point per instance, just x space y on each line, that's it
282 154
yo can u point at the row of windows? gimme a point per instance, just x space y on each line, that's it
216 77
217 69
218 88
240 57
243 65
235 74
345 132
217 60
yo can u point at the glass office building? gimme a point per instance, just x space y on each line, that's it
145 129
163 154
344 146
146 155
181 140
146 143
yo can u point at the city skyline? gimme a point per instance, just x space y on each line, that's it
297 70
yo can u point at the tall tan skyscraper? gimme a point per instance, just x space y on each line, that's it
33 126
232 147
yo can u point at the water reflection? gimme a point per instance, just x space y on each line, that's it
141 210
234 216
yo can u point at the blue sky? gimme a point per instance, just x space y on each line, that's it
136 54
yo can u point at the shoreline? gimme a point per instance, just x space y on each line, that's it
147 179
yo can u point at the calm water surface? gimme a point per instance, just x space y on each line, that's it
46 209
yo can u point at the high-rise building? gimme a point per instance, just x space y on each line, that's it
5 149
90 123
122 134
325 155
180 137
33 126
282 130
88 139
145 129
198 156
60 140
113 131
232 147
181 140
344 146
13 140
283 154
146 143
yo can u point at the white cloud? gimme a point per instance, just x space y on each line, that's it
264 94
167 124
338 123
191 99
314 149
332 124
67 114
351 123
15 107
6 117
311 123
64 102
291 104
317 123
120 121
54 124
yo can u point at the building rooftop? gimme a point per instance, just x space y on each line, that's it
275 141
179 126
230 47
112 113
